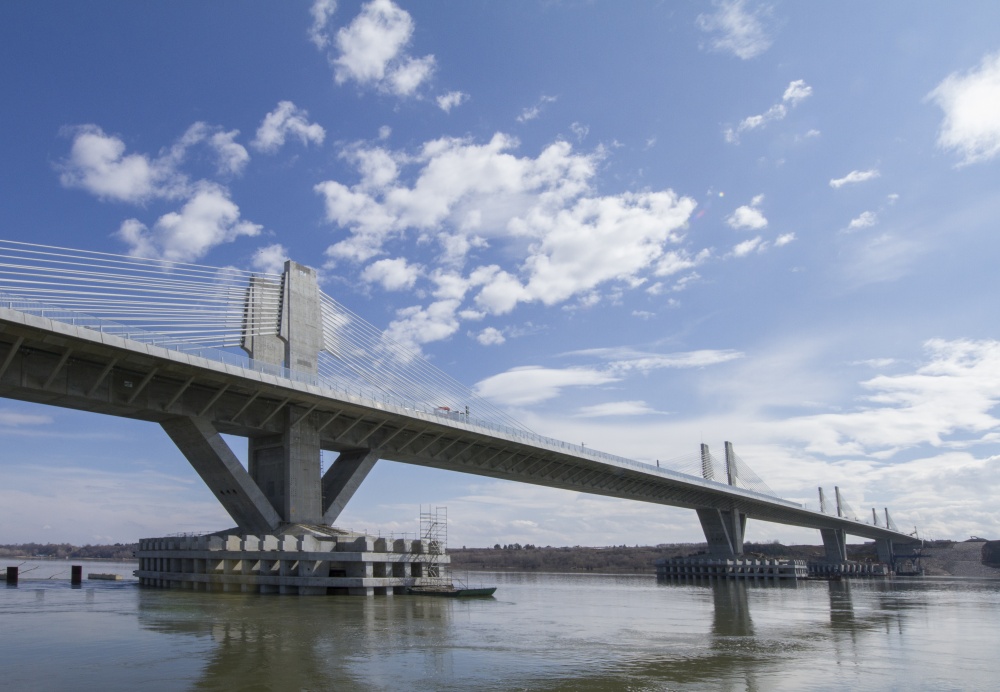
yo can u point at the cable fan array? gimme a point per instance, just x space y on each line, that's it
184 305
356 351
192 307
195 308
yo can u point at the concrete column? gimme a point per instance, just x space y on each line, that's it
724 531
835 543
301 318
260 322
883 547
343 478
222 472
822 501
840 511
706 463
286 468
730 463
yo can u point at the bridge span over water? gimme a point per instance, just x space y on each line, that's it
204 351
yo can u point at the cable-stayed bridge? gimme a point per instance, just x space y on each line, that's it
209 350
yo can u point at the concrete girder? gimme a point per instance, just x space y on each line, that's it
222 472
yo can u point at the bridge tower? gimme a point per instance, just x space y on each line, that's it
724 529
283 327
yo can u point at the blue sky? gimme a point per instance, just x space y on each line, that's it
641 228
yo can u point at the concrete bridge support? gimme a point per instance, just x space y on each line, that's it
724 529
283 326
835 543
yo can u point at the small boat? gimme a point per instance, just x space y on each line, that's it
452 592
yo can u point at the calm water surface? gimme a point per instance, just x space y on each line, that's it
540 632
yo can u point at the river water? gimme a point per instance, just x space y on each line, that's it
540 632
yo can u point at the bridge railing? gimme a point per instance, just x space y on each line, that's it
357 394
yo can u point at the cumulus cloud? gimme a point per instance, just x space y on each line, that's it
854 177
784 239
321 11
748 216
971 105
98 164
392 274
743 249
270 259
491 336
796 92
286 120
736 29
467 196
452 99
207 219
867 219
372 51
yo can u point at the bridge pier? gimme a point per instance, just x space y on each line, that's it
835 543
724 529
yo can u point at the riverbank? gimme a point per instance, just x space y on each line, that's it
940 558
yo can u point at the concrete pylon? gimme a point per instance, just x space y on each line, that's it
286 467
840 509
822 501
706 463
724 529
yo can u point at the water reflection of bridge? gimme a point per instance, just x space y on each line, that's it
160 341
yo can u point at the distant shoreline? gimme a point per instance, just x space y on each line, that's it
972 558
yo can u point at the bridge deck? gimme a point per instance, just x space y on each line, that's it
54 362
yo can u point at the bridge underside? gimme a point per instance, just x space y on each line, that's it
287 423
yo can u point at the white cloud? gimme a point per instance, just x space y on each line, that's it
491 336
270 259
286 119
743 249
736 29
452 99
748 216
372 51
784 239
854 177
867 219
796 92
675 261
528 385
207 219
321 11
540 211
14 419
616 408
579 130
98 164
392 274
532 112
971 105
952 395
